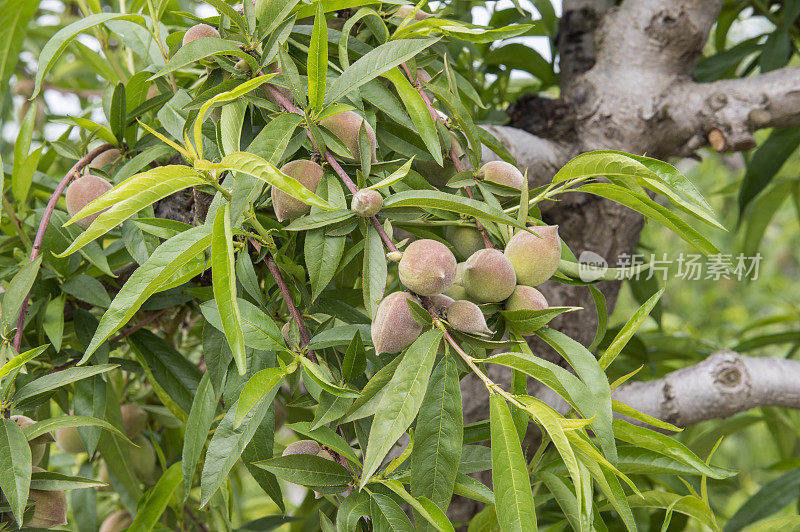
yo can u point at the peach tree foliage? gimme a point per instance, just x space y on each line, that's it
229 324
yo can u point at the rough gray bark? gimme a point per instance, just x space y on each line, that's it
626 84
722 385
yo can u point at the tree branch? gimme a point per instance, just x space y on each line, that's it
722 385
288 106
48 212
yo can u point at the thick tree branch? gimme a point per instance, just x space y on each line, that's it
722 385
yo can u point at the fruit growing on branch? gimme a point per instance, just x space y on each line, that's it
346 127
393 328
366 202
199 31
489 276
427 268
81 193
526 298
535 254
307 173
466 316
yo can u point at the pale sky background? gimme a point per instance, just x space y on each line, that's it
69 105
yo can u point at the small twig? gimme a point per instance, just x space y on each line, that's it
351 186
305 338
199 523
132 329
487 242
287 297
48 212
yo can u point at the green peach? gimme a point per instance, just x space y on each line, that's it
535 256
466 316
81 193
427 268
308 173
346 127
393 328
526 298
489 276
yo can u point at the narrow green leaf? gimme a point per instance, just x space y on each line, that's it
253 165
387 514
149 279
317 67
15 16
373 64
512 486
402 400
58 379
355 360
418 111
374 271
226 447
435 199
21 359
630 328
16 292
310 471
588 369
15 467
50 425
197 426
201 48
155 501
58 43
224 283
438 437
131 196
259 386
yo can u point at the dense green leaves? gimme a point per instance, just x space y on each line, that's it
401 401
512 488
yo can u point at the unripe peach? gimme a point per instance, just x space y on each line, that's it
38 445
308 173
152 91
503 173
526 298
366 202
535 256
116 522
465 240
405 10
134 420
242 66
199 31
49 509
393 328
325 454
106 158
489 276
346 127
441 302
302 447
456 290
69 441
466 316
428 267
82 192
143 459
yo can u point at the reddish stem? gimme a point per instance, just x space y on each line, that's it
48 212
487 242
288 106
305 338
